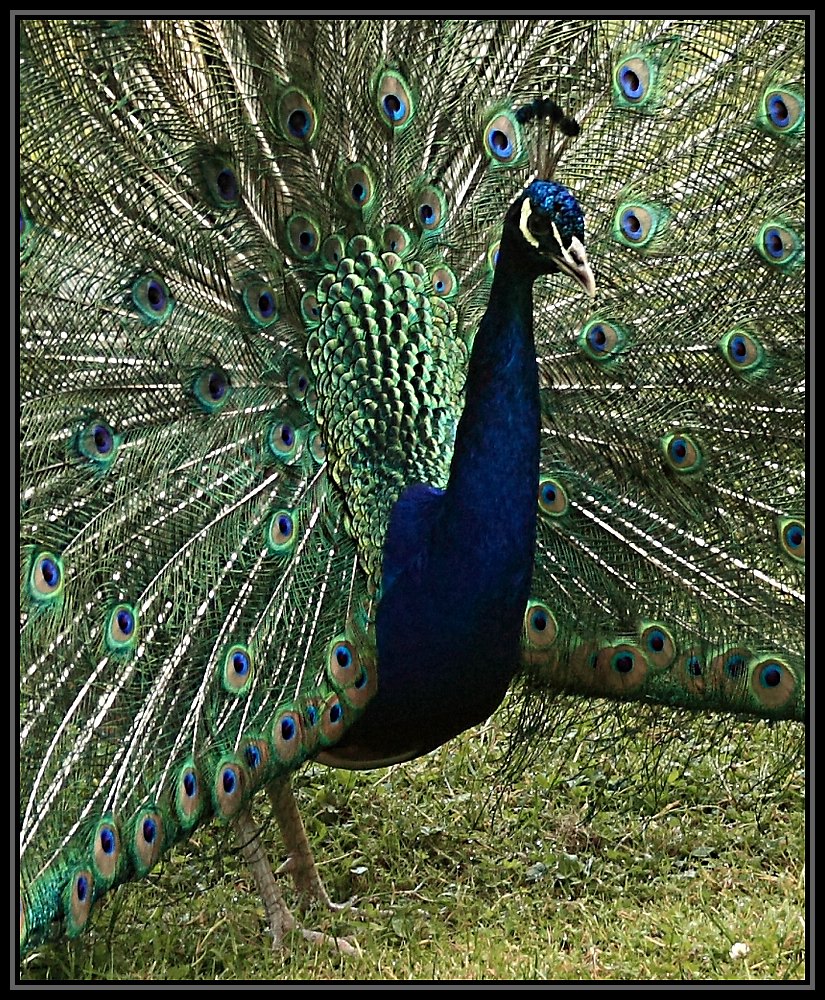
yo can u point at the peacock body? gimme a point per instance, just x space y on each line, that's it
319 452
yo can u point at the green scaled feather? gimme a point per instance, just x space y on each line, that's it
253 256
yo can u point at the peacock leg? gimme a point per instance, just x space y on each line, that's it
281 920
300 863
277 913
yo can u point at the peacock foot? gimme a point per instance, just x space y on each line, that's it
347 946
279 917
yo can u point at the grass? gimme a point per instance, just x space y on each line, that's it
634 846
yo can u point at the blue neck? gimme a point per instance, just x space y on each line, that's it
458 564
491 496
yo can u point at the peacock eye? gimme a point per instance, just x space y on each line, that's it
211 389
634 81
552 497
121 628
359 186
784 110
152 297
431 208
682 453
395 100
502 138
281 533
540 225
221 183
261 306
779 245
46 578
303 234
297 116
602 341
98 442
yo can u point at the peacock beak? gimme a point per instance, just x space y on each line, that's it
573 262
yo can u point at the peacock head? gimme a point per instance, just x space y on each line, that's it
548 225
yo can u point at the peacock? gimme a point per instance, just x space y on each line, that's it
372 368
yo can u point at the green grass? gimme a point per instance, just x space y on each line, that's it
639 846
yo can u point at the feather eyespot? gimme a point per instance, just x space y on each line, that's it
783 110
396 239
742 351
228 787
444 282
634 79
106 851
297 117
682 453
502 139
728 674
298 383
539 625
284 440
255 754
287 735
122 629
636 224
359 187
601 340
658 646
333 251
281 533
237 670
189 800
261 305
98 443
779 245
211 388
221 183
311 730
332 720
317 448
45 578
431 209
152 298
692 673
395 102
78 901
352 678
772 682
735 666
620 668
304 236
147 841
310 310
552 498
792 538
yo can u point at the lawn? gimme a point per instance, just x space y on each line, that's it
631 845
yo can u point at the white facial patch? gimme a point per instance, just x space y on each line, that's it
526 211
